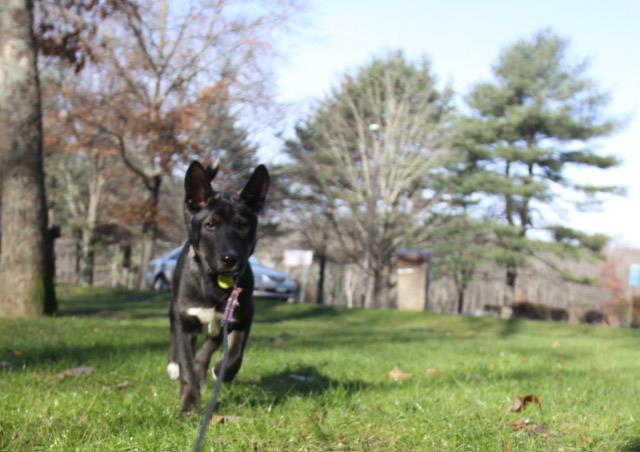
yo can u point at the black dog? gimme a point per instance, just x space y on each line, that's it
222 235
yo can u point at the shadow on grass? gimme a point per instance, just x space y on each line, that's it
505 328
300 381
510 327
631 446
50 355
272 311
112 303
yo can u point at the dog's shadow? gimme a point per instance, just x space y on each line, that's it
295 382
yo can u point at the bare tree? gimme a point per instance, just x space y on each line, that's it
163 72
366 159
80 159
26 282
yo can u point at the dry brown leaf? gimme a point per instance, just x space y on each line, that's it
431 372
529 427
123 385
522 401
75 372
397 375
225 419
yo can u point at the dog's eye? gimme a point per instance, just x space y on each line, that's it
210 224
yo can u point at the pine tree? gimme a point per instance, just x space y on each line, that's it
535 120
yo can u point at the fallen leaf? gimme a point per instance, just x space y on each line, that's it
529 427
522 401
123 385
75 372
225 419
431 372
397 375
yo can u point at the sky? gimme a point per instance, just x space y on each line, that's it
462 39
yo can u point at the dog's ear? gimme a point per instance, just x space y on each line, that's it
211 172
197 185
255 192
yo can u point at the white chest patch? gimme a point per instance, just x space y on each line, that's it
209 318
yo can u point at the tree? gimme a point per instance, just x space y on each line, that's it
530 125
167 75
80 161
364 160
460 246
26 280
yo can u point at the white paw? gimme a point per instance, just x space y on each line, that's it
213 374
173 370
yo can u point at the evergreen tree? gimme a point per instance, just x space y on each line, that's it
526 128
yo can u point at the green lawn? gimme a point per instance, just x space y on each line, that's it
317 379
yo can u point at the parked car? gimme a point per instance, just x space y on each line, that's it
269 283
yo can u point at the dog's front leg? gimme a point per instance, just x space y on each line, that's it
236 342
204 356
189 384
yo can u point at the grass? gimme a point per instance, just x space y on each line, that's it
317 379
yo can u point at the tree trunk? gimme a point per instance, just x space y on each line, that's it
506 310
511 277
388 283
89 231
460 300
149 233
320 291
88 257
26 279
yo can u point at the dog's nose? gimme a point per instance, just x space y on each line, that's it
229 260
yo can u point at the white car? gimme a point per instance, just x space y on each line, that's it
269 283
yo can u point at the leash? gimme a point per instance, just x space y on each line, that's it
212 406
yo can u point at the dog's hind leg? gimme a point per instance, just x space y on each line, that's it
203 357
